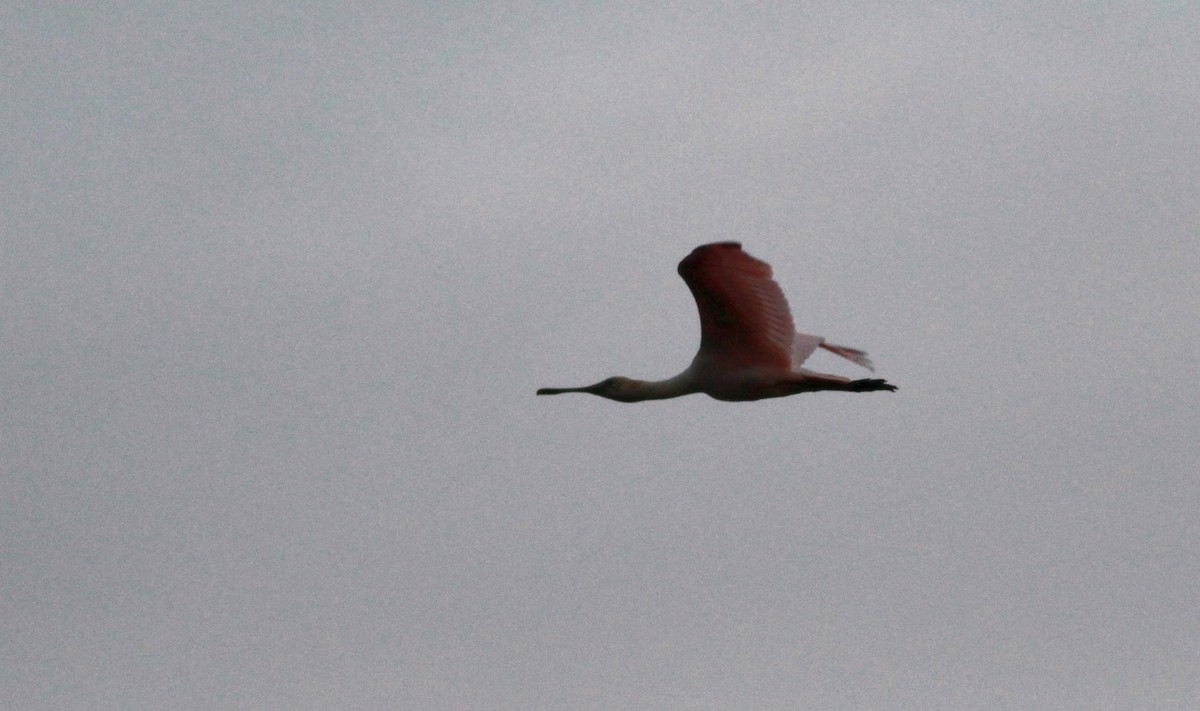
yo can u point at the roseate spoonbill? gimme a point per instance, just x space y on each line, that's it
749 349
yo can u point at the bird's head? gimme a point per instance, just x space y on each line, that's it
616 388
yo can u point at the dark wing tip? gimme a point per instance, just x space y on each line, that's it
693 260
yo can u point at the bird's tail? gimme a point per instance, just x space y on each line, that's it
853 354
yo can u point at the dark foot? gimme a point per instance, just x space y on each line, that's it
867 385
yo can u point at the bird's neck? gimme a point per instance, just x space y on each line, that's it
682 384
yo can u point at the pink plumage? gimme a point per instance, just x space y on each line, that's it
749 347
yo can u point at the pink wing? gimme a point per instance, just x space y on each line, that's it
744 317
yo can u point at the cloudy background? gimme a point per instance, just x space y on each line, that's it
278 282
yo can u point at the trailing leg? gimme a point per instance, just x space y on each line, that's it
867 385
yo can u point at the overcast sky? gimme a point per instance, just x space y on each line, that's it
277 285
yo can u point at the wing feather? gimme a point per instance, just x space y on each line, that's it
744 317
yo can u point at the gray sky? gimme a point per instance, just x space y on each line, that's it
277 286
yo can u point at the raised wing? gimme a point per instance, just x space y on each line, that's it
744 317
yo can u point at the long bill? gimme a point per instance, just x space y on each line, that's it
558 391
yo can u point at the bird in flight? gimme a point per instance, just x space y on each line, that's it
749 349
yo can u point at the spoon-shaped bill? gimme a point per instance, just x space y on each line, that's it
558 391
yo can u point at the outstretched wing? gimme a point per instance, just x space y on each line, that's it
744 318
